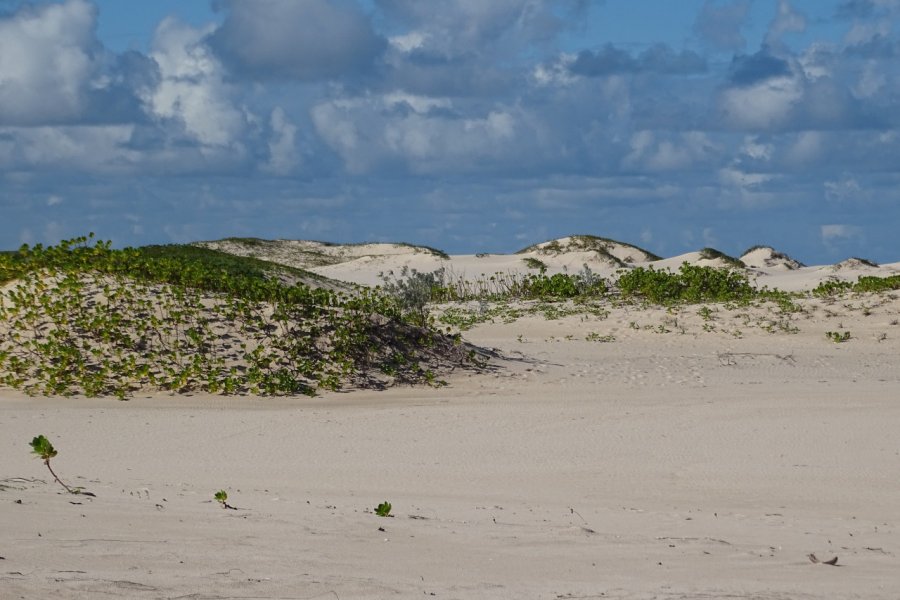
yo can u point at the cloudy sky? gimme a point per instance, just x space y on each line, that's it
467 125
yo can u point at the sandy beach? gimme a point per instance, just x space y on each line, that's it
644 453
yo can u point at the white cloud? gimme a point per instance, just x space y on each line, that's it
763 105
366 132
283 156
752 148
839 232
847 189
555 73
677 152
46 63
193 90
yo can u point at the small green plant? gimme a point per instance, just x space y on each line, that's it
596 337
383 509
222 498
43 449
837 337
534 263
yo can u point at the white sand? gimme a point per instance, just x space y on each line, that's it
657 465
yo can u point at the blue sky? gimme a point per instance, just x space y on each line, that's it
466 125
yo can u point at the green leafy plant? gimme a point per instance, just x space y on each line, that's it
837 337
383 509
43 449
691 284
222 498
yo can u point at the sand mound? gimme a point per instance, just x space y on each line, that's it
305 254
766 257
616 254
855 264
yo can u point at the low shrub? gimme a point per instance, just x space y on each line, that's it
691 284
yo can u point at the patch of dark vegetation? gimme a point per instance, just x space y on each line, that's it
713 254
864 284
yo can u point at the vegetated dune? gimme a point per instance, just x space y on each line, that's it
612 252
369 264
766 257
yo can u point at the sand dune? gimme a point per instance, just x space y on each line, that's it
631 453
365 264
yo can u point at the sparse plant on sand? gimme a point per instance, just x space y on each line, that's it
837 337
222 498
43 449
383 509
596 337
534 263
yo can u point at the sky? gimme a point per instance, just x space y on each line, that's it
465 125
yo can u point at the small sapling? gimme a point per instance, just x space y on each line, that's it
222 498
43 449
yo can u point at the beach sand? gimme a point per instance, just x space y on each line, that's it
658 465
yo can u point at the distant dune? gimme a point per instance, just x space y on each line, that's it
367 264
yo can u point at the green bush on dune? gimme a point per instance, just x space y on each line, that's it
690 284
83 318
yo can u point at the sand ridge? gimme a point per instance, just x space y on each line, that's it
633 452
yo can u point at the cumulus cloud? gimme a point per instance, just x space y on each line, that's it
46 62
283 155
306 40
410 134
768 104
192 91
763 92
652 152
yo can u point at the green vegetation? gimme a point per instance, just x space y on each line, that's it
864 284
837 337
383 509
712 254
86 319
43 449
222 498
692 284
534 263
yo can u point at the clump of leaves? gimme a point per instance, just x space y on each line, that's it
691 284
222 498
43 449
383 509
837 337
